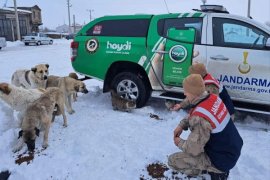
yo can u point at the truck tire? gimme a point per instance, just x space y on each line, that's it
130 86
26 44
51 42
38 43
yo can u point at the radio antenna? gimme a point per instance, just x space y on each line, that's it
166 6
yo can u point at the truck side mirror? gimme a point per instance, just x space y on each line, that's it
267 44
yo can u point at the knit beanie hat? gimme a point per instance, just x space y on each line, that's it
198 68
194 84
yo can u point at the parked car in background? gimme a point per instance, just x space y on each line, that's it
70 36
37 38
2 42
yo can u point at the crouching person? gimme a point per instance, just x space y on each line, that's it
214 144
212 86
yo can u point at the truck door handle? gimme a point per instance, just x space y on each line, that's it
219 58
161 52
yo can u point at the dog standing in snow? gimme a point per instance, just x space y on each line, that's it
68 86
38 116
30 79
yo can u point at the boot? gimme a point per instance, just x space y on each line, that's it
219 176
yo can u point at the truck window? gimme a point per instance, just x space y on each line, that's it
120 28
237 34
178 23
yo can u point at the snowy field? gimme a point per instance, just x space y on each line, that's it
102 144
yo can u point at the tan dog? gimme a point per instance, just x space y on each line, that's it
38 116
68 86
18 98
74 76
34 78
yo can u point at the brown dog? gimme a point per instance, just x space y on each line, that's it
38 116
74 76
68 86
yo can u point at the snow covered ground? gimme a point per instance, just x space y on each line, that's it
100 143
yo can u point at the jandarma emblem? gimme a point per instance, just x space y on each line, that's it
92 45
178 53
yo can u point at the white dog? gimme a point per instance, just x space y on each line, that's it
34 78
18 98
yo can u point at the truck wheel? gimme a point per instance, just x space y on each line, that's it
38 43
51 42
26 44
130 86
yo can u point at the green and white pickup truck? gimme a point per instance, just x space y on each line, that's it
148 55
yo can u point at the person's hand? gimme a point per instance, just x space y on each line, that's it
177 131
176 107
176 140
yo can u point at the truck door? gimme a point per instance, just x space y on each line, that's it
239 58
179 47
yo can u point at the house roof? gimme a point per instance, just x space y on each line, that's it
12 10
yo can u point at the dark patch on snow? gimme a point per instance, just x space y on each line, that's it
154 116
4 175
21 158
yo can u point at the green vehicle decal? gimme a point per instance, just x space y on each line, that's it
178 60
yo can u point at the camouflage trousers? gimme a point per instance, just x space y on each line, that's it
191 165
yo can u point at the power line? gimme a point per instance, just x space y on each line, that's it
166 6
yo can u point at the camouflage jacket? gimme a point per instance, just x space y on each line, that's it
200 132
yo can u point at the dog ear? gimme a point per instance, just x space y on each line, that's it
34 69
47 65
37 131
4 88
20 134
77 88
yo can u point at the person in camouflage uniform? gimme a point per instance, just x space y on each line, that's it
214 144
211 85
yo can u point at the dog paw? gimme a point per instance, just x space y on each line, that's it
45 145
16 149
71 111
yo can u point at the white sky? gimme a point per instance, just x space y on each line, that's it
54 12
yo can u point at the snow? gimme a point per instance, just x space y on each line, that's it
100 143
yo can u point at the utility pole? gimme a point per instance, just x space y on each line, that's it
17 21
90 13
203 1
248 11
74 24
69 5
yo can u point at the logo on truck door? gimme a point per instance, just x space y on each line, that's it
92 45
178 53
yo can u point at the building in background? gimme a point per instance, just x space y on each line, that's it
62 29
29 21
65 29
36 19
